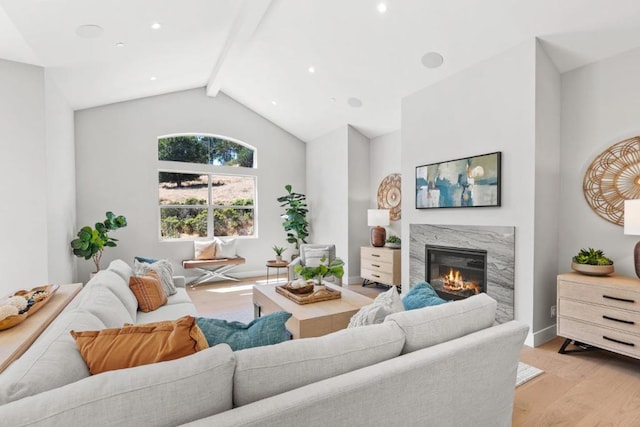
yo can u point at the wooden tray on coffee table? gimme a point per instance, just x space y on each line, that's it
319 293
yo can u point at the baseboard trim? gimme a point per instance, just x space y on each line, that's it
544 335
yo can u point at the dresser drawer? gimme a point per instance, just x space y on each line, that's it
628 321
609 296
377 276
376 265
380 254
599 336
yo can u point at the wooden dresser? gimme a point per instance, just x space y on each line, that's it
380 265
601 311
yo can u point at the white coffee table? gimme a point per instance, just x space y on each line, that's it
310 320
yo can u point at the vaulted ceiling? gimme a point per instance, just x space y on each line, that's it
260 52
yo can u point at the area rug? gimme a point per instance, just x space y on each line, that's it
526 373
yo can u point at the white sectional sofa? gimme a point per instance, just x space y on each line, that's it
447 365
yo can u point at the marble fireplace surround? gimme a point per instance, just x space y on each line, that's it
498 241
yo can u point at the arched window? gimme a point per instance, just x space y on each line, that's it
201 195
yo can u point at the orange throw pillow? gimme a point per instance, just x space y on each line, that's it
119 348
148 291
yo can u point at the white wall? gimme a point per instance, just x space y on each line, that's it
384 160
488 107
60 184
23 174
117 166
547 194
600 107
359 200
328 191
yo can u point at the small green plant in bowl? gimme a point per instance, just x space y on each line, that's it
393 242
334 268
592 262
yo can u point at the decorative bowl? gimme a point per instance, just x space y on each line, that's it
592 270
307 289
393 245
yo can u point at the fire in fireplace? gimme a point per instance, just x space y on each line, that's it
456 273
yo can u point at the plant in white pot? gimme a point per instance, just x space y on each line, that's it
279 251
91 242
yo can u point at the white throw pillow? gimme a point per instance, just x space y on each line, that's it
226 248
386 303
313 257
204 249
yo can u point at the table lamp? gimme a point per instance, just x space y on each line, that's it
632 227
378 218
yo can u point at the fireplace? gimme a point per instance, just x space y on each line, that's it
456 273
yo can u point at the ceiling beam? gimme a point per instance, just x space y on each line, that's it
249 16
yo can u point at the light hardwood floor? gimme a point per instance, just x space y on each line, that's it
588 389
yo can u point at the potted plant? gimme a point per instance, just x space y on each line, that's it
592 262
393 242
278 250
334 268
295 217
91 241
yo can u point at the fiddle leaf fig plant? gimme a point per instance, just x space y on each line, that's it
334 268
91 242
295 217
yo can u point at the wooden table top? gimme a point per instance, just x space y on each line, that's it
348 302
15 341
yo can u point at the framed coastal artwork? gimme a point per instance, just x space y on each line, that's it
463 183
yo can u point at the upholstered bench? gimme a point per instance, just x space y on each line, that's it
212 268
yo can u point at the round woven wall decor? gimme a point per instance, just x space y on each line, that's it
389 196
612 178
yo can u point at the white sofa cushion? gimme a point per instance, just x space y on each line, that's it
104 304
168 394
115 282
52 361
433 325
121 268
166 312
180 297
266 371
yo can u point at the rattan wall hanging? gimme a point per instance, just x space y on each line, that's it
389 196
612 178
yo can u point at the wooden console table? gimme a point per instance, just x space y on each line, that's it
15 341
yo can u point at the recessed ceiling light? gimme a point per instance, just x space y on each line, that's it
156 26
153 78
354 102
312 69
274 102
89 31
119 44
382 8
432 60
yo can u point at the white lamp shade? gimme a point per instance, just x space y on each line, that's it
632 217
377 217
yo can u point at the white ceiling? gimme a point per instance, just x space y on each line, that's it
258 51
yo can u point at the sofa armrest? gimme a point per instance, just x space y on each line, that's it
179 281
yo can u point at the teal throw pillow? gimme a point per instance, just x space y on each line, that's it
265 330
420 296
145 259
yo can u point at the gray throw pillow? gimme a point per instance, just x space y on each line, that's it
163 268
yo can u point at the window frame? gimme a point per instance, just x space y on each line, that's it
210 170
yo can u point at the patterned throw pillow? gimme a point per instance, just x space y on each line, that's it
386 303
164 269
265 330
313 257
148 291
135 345
420 296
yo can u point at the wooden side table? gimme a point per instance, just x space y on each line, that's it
272 263
15 341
